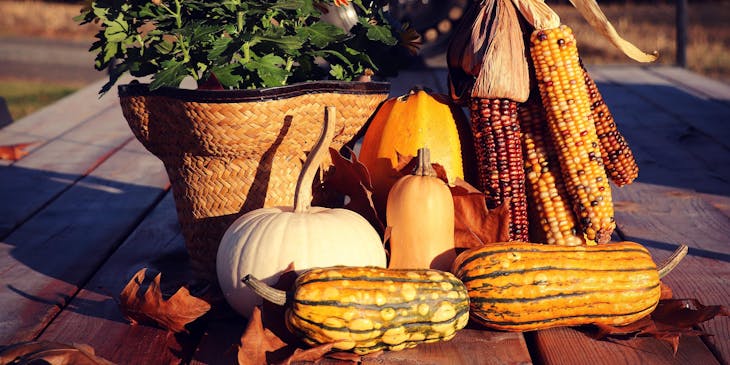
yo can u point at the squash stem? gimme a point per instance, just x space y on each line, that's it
424 167
275 296
303 192
670 263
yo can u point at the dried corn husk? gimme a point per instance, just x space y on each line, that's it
486 56
540 16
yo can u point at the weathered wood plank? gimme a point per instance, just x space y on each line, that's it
47 259
701 85
568 346
706 116
470 346
661 217
675 161
37 179
92 316
668 150
59 117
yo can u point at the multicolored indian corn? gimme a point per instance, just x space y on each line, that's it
552 218
570 122
500 165
618 159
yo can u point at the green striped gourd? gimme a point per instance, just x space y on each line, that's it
367 309
521 286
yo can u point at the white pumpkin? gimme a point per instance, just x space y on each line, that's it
264 242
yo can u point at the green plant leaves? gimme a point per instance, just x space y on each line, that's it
321 34
246 44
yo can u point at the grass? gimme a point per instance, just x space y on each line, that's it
652 27
25 97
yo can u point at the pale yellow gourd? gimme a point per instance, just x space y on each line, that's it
420 214
264 242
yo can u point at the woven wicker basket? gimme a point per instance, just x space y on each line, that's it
227 152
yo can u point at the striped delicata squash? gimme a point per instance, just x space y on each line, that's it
521 286
367 309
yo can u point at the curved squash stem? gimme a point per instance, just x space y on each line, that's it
424 168
672 261
275 296
303 192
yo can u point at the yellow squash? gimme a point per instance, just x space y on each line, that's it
404 124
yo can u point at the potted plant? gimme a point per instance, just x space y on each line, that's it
265 70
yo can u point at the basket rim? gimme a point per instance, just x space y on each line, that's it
263 94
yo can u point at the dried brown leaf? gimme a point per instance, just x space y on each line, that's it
312 354
172 314
266 339
14 152
475 225
686 313
48 352
257 342
351 177
407 164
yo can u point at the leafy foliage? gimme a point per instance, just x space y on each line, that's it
246 44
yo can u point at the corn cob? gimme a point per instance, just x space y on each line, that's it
554 222
564 95
500 165
617 157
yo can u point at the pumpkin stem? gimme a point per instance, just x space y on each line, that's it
303 192
275 296
424 167
670 263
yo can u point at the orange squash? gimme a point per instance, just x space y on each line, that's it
406 123
420 213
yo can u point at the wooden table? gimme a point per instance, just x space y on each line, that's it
89 206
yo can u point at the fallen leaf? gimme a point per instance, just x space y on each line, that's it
14 152
474 224
686 313
257 342
351 177
407 164
267 340
312 354
666 291
48 352
672 319
172 313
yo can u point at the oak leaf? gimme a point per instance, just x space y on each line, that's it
474 224
172 313
351 177
14 152
257 342
267 340
49 352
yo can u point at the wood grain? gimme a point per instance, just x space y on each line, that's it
702 86
93 317
47 259
55 120
669 149
568 346
37 179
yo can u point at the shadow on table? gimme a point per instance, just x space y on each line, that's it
62 235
